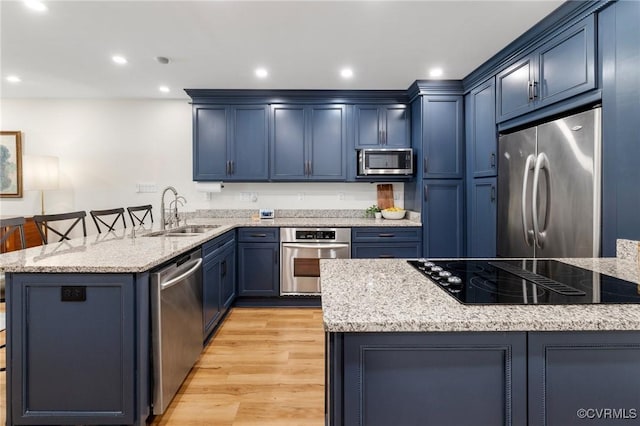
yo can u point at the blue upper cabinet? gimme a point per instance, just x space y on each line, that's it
230 143
308 142
481 134
443 137
381 126
561 68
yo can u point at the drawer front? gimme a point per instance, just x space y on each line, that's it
385 251
385 234
209 248
259 234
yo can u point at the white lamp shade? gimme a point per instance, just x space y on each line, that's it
40 172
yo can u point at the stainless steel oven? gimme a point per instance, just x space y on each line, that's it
301 250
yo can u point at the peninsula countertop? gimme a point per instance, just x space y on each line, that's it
389 295
118 252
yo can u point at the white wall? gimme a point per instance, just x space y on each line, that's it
106 147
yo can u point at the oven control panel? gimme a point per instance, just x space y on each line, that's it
315 235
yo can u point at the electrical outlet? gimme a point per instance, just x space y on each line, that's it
73 293
146 187
254 197
341 196
245 196
300 196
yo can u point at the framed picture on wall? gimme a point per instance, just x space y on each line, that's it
10 164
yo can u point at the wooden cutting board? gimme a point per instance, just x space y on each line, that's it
385 196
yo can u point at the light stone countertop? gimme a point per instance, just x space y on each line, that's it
389 295
117 252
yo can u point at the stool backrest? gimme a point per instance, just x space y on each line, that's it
99 215
9 226
138 214
44 224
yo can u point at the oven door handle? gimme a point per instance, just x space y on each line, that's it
315 246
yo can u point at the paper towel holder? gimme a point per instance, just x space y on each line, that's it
209 186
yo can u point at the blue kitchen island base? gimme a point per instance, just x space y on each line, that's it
483 378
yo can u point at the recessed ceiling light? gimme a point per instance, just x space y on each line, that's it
436 72
14 79
36 5
261 72
346 73
164 89
120 60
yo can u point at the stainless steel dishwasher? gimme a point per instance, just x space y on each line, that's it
176 325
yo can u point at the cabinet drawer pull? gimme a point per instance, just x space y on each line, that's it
386 235
386 256
258 235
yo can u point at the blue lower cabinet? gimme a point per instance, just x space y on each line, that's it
70 371
482 219
385 251
442 218
211 294
427 379
228 276
584 378
386 242
258 269
218 280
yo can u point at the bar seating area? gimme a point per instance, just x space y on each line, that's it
20 232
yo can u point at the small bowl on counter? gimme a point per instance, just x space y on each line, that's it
393 214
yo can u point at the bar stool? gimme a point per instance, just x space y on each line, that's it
43 224
7 228
138 214
115 214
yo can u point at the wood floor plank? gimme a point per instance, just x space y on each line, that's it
265 367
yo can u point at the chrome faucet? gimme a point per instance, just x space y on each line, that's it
163 223
179 200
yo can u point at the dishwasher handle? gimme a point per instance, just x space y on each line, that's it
196 264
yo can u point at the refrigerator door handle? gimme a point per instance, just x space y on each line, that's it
529 235
542 163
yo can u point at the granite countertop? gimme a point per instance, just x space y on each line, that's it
389 295
117 252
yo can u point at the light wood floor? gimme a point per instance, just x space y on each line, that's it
264 367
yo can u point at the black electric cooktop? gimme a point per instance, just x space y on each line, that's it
524 282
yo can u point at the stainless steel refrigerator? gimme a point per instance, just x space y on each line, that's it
549 186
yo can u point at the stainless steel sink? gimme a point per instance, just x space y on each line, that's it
183 231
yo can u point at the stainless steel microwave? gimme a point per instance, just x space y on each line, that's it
385 161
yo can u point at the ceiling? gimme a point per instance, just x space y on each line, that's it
65 52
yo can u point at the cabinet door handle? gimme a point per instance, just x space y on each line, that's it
231 167
310 168
386 235
426 193
534 90
223 266
425 163
493 160
227 167
275 257
306 168
384 137
530 89
493 193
